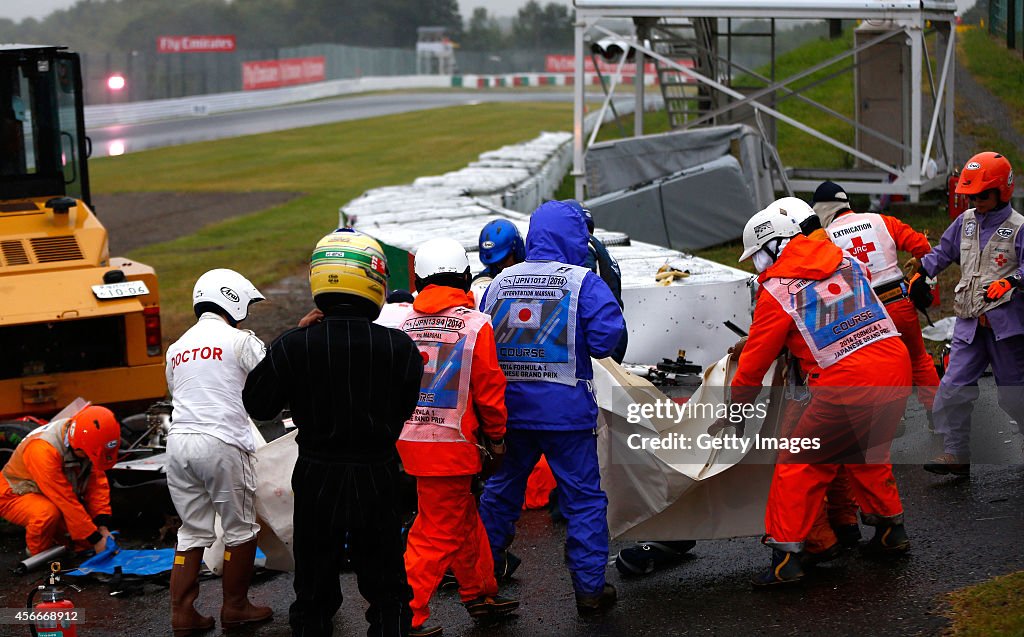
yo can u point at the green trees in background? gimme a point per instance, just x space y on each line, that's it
534 27
483 33
109 25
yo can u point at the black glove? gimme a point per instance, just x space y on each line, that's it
492 455
920 292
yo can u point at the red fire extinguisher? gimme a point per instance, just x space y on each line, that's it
55 615
957 203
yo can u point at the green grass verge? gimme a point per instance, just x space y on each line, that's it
330 164
992 608
1001 71
996 68
796 147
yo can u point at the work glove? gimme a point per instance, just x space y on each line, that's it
998 289
740 426
737 349
492 456
912 266
108 542
920 292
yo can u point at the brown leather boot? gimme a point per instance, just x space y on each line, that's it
184 591
238 610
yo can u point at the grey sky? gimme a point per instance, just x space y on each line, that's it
17 10
20 9
499 7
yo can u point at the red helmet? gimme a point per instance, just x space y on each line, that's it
984 171
96 432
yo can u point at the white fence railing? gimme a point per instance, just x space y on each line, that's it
199 105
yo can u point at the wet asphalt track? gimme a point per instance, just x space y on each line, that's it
962 531
128 138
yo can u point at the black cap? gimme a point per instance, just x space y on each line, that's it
830 191
400 296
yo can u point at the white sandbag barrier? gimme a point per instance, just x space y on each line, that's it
653 494
685 314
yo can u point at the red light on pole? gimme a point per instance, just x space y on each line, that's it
116 82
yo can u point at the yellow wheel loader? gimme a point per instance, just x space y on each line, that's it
73 321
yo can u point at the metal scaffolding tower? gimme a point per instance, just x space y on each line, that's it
685 39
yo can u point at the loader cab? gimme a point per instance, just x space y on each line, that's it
43 147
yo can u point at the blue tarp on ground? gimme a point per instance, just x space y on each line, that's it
131 561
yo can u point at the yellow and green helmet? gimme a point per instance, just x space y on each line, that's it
349 262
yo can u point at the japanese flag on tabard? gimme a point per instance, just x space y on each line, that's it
833 290
429 352
525 314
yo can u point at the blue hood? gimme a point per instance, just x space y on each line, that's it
557 233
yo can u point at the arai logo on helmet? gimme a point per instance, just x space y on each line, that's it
973 166
230 294
487 245
111 444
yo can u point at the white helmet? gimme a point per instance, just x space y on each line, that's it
228 290
441 256
780 220
803 212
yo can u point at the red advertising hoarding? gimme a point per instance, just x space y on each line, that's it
195 43
276 73
566 64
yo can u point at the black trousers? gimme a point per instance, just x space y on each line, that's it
358 501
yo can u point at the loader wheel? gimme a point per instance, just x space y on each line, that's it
12 432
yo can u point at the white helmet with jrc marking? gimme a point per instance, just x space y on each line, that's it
228 290
780 220
441 256
349 262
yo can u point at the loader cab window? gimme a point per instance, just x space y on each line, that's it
16 156
42 145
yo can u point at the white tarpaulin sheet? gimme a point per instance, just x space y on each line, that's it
653 495
677 494
275 504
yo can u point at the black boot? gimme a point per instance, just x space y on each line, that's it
505 566
426 629
486 607
785 569
813 558
848 535
948 464
889 540
590 604
647 557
